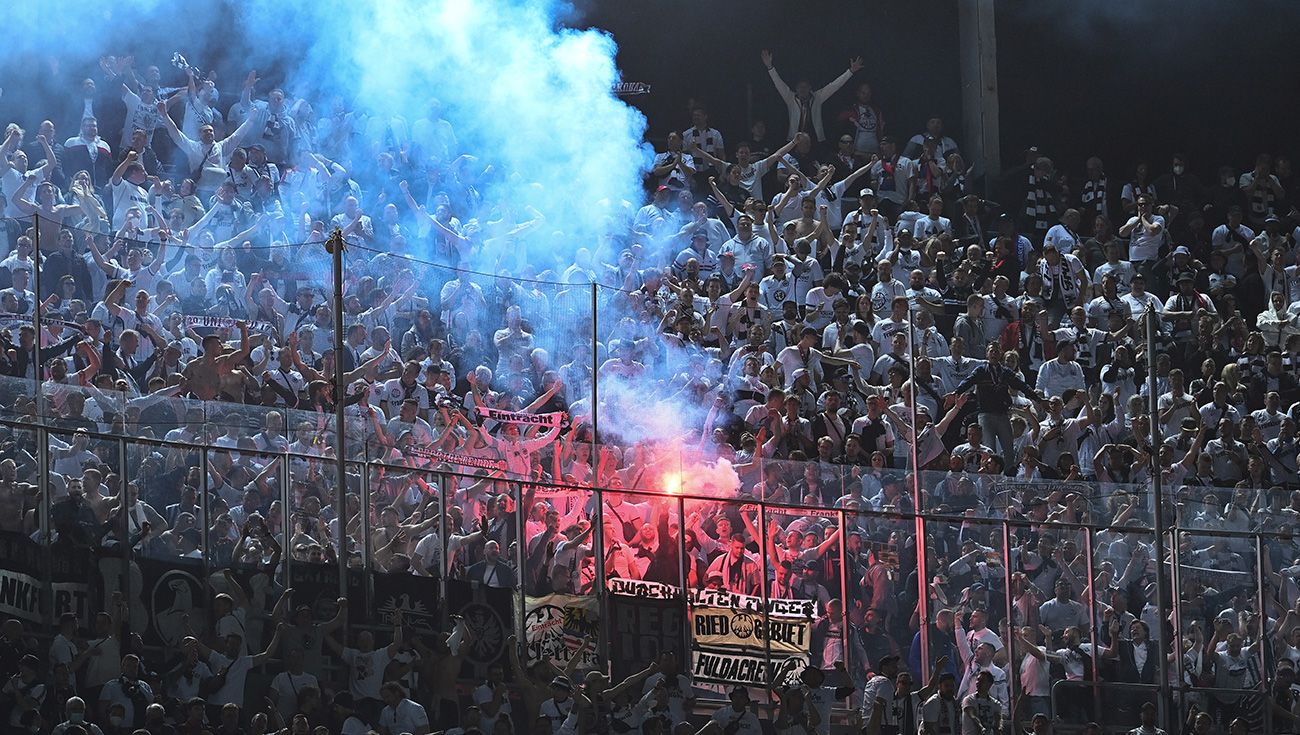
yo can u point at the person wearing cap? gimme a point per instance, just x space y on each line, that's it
736 718
1186 305
657 219
25 690
556 709
874 233
1138 299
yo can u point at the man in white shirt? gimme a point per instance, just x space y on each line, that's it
233 666
737 719
289 684
1146 233
1064 235
126 185
400 715
803 104
1060 373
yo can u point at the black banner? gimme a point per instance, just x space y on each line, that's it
489 616
171 590
641 629
23 592
415 597
317 585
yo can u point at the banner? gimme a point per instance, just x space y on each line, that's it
1221 579
735 667
417 598
172 590
642 589
24 594
10 321
465 460
715 626
640 629
548 420
735 601
630 89
808 512
555 626
739 639
489 616
224 322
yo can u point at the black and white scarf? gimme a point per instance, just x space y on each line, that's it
1093 198
1039 206
1062 283
1262 199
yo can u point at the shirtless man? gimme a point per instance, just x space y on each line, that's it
205 375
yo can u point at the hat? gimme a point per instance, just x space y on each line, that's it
562 682
799 373
1189 423
30 661
1004 217
660 188
1272 220
885 661
700 236
866 193
1181 250
808 332
1184 276
846 138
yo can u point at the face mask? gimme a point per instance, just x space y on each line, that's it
1178 170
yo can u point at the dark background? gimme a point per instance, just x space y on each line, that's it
1124 79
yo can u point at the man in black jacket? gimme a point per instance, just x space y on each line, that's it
993 383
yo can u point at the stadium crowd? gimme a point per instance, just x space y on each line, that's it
832 307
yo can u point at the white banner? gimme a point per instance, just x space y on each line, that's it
732 629
555 625
465 460
641 588
515 417
773 607
742 668
224 322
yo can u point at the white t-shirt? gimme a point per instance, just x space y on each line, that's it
980 715
366 671
236 674
1142 245
746 722
288 687
125 196
407 716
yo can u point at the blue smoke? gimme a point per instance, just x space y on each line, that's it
525 95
